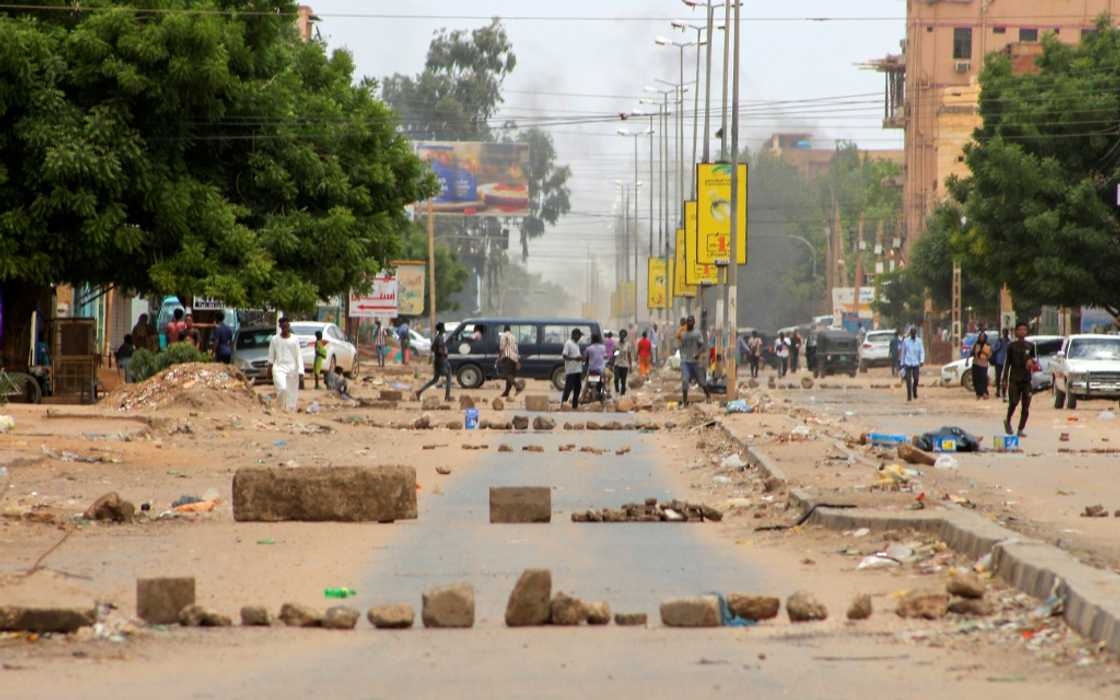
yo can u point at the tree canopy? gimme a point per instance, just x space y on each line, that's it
201 153
1045 165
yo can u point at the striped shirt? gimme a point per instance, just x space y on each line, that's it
507 346
381 337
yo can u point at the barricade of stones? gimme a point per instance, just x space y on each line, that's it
651 511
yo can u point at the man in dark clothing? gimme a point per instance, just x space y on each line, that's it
440 366
999 359
1016 379
222 342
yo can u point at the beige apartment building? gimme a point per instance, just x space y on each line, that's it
932 88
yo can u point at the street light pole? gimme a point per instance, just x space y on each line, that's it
731 306
726 52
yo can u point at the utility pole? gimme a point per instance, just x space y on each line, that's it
726 52
731 308
431 269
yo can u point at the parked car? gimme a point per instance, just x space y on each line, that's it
1088 367
419 344
340 351
473 347
1047 346
875 350
250 351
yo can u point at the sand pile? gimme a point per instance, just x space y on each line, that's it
190 385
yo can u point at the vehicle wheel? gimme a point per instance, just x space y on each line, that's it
558 378
966 380
354 367
852 373
470 376
1059 398
1071 401
27 388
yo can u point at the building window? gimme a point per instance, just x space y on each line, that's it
962 43
1028 35
1000 30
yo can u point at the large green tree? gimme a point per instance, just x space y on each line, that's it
194 149
1041 197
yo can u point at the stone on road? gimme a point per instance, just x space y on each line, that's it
348 494
255 616
397 616
694 611
860 609
530 599
198 616
929 605
15 618
753 607
448 606
965 586
567 610
802 606
296 615
598 612
341 617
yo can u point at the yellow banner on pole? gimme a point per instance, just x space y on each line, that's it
680 288
655 283
696 272
713 198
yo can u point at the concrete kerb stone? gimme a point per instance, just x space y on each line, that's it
1092 596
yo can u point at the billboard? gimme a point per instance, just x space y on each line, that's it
381 302
713 198
845 303
478 179
696 272
656 270
410 287
680 288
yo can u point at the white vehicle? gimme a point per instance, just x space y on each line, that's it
340 351
875 349
1088 367
420 345
1047 346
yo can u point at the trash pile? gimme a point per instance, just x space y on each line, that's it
650 512
193 384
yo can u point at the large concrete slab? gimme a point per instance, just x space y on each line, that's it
349 494
520 504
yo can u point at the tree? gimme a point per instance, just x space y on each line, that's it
194 153
451 274
1044 171
549 196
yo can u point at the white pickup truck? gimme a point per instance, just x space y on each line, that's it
1087 367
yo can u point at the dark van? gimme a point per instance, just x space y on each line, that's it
472 348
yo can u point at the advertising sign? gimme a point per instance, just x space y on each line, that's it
410 288
478 179
655 283
713 198
680 288
845 302
696 272
381 302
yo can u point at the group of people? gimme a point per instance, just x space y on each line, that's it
179 329
786 350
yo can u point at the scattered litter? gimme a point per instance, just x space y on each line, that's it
279 443
197 507
883 439
877 561
1103 415
470 419
1063 437
185 500
732 461
720 479
313 407
948 439
266 540
622 451
946 462
194 384
801 432
339 592
862 532
7 423
738 406
1097 511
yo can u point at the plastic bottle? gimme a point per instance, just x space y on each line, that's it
339 592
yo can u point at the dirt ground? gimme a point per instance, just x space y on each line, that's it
60 460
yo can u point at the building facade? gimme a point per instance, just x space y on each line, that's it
932 86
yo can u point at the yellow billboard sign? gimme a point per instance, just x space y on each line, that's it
696 272
680 288
713 199
656 270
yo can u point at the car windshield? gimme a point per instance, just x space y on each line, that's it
302 329
247 340
1094 349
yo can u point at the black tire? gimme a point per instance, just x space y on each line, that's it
1071 401
558 378
1059 398
966 380
355 367
470 376
852 373
28 386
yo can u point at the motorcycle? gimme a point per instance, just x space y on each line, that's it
597 389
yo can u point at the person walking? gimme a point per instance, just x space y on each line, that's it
913 357
794 351
405 340
573 368
622 361
692 359
285 361
811 351
895 345
380 341
781 349
754 346
508 361
743 347
999 359
981 356
645 354
221 342
320 349
441 368
653 343
1022 362
124 355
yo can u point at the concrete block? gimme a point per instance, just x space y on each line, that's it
349 494
520 504
536 402
160 600
695 611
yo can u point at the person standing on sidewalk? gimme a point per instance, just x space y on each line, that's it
405 340
999 359
653 343
441 368
573 368
622 361
781 349
508 361
754 348
1022 360
221 341
895 346
811 352
794 351
285 361
380 342
645 354
913 357
692 359
981 356
320 348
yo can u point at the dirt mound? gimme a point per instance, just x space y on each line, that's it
190 385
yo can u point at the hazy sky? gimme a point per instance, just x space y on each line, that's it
781 61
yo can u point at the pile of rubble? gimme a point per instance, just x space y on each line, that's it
193 384
651 511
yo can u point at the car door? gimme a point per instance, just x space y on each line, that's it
344 350
528 349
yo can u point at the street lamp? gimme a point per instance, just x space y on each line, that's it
637 228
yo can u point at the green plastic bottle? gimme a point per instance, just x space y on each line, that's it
342 592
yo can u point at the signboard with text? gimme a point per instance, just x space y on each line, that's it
656 270
410 288
713 209
696 272
680 287
478 179
381 302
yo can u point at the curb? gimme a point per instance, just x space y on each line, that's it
1091 596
